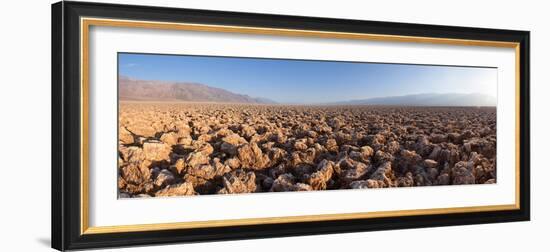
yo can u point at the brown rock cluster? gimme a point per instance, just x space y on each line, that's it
175 149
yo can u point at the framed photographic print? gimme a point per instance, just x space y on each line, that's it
179 125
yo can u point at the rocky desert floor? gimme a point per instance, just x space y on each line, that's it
177 149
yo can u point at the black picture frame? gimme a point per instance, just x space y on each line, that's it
66 124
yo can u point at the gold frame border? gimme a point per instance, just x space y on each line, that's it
85 24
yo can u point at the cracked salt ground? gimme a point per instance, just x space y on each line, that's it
198 148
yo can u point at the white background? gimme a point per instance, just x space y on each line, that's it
25 125
106 210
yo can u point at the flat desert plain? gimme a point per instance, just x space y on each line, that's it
177 149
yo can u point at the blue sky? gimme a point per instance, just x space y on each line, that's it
302 81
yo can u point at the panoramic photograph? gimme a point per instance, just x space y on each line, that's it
204 125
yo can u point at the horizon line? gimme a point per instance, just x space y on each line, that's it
302 104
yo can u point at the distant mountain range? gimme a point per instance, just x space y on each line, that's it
145 90
431 99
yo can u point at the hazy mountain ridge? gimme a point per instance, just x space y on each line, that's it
428 99
152 90
147 90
